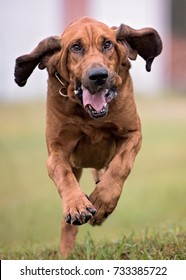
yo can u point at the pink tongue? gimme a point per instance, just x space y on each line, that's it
97 100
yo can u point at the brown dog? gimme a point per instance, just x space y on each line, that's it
91 113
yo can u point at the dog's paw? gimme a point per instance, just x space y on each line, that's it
78 211
105 202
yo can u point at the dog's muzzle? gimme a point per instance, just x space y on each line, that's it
96 99
97 104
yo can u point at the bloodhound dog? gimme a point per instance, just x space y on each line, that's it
91 120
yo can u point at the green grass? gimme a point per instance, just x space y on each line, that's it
167 245
150 219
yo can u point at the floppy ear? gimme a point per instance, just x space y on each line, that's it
146 42
26 64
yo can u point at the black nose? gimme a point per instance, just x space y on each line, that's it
98 75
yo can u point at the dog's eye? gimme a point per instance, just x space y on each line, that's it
107 45
76 48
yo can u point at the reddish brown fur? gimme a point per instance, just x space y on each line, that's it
74 139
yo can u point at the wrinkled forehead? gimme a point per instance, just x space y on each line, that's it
87 29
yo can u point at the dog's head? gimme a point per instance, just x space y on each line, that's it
91 59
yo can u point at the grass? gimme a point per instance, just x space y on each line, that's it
164 246
149 221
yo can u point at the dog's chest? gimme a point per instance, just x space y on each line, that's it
95 149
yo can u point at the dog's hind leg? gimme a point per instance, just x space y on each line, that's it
97 174
68 231
68 236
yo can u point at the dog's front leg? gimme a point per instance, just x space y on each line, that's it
77 209
107 192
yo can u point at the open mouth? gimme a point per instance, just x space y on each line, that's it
96 105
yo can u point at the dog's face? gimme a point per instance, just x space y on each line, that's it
92 59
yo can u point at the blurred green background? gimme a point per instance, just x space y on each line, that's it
154 195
